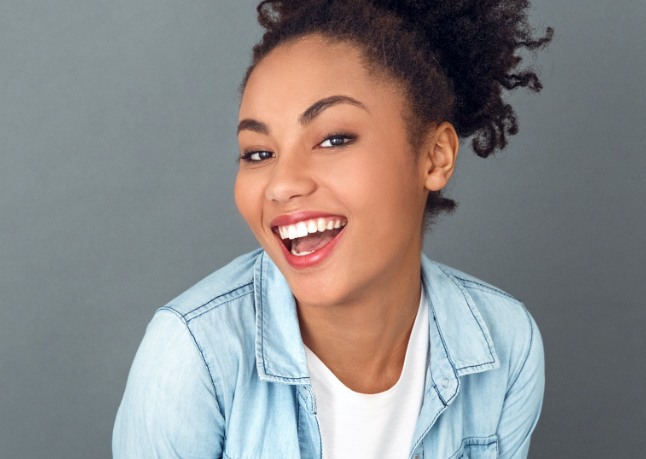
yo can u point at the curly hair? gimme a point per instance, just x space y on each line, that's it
453 58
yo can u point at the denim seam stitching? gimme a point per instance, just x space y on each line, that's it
489 362
466 442
218 397
483 288
529 350
432 423
490 440
214 306
486 288
262 327
491 352
261 316
448 356
262 319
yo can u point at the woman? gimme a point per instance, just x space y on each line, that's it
339 338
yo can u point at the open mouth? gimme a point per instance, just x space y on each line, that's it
308 236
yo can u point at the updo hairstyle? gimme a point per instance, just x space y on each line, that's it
452 58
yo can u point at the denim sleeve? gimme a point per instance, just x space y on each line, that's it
523 400
169 409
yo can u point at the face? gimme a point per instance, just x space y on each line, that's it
327 180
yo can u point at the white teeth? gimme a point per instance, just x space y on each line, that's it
302 229
300 254
292 231
320 224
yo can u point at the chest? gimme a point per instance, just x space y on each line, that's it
278 420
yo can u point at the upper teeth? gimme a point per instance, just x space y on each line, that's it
306 227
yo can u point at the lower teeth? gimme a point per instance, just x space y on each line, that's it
300 254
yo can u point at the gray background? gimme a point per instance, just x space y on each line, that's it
117 161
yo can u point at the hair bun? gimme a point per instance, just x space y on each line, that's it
476 43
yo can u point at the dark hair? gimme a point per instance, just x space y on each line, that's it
453 57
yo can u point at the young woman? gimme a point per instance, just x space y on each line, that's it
338 338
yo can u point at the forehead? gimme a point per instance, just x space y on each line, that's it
298 73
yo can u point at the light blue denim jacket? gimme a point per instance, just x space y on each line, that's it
221 373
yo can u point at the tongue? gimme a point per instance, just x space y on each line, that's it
313 241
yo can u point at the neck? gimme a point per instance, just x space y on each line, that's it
364 342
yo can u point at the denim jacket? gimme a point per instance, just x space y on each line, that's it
222 372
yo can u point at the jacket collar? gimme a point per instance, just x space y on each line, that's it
280 353
460 342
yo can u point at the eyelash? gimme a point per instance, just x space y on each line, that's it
247 155
346 137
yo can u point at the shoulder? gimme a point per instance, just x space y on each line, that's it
494 304
212 309
513 332
176 379
218 314
213 322
222 287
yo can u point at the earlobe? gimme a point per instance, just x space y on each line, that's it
441 152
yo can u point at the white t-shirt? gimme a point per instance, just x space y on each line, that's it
356 425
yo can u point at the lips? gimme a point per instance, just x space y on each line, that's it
307 238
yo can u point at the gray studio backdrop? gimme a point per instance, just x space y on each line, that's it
117 160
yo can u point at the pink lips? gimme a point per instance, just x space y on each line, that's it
314 258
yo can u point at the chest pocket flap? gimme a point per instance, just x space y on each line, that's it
477 448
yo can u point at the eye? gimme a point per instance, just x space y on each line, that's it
337 140
256 156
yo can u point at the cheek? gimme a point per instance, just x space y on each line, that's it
380 185
245 198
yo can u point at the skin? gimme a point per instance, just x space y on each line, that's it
357 306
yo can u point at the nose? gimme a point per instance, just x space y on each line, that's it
291 178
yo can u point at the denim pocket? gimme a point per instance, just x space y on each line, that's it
477 448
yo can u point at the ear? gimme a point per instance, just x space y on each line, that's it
440 153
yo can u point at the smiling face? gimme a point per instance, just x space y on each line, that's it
327 180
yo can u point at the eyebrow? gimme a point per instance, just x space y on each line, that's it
318 107
308 115
253 125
